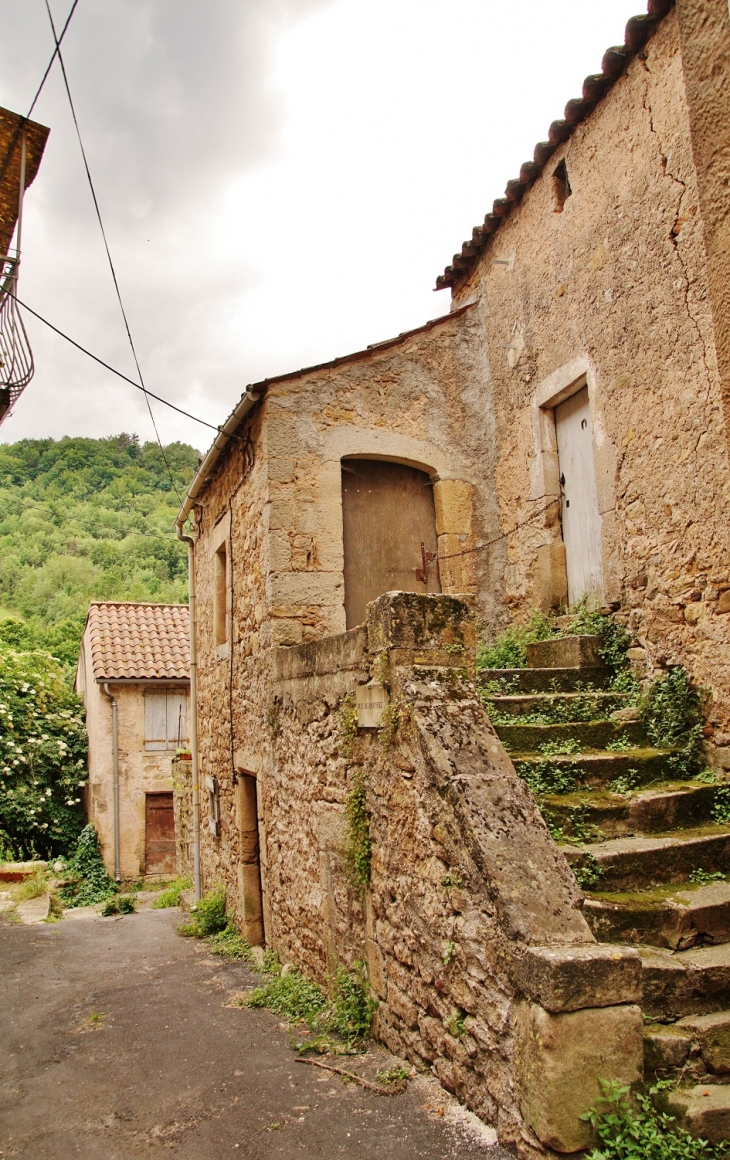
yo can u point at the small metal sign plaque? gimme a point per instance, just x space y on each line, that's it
371 700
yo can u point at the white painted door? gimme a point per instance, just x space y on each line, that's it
581 518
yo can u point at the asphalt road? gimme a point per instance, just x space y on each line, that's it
116 1042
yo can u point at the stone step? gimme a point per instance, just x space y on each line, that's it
665 806
704 1110
589 734
696 1044
677 919
636 863
512 681
693 982
558 707
595 770
571 651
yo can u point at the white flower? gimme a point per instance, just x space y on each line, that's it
69 801
49 793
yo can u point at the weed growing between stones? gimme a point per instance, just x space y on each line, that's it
33 886
615 638
172 894
706 777
555 748
119 904
702 877
449 952
393 1076
547 776
348 1015
394 715
86 879
208 917
626 1133
625 783
672 712
456 1025
358 849
230 944
209 920
347 722
721 805
619 745
579 829
589 873
556 710
509 650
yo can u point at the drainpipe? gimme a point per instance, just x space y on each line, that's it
115 775
192 613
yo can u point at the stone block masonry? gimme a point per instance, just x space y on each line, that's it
472 916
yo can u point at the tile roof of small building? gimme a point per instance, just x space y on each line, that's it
139 641
595 87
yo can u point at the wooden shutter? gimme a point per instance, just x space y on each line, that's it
155 722
177 718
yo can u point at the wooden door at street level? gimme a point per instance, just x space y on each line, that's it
159 834
389 523
581 517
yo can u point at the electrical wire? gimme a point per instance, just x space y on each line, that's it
39 90
107 366
106 247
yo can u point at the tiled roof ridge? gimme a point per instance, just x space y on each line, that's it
138 640
595 87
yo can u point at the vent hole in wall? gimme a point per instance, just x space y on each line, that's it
561 187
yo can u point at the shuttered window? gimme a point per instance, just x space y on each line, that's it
165 720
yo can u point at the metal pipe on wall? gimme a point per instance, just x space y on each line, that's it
115 782
193 717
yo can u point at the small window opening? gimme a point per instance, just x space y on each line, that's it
220 602
561 187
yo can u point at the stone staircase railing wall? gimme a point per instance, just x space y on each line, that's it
482 962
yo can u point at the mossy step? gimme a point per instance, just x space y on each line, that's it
600 768
546 680
589 734
695 1045
664 806
677 918
704 1110
636 863
557 707
694 982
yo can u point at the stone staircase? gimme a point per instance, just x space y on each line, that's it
650 857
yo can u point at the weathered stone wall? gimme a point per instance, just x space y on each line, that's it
465 877
416 400
614 288
182 797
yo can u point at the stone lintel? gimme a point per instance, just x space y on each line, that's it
571 978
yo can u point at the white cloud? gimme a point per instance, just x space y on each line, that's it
282 180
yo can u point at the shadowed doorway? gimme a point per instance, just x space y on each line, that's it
389 529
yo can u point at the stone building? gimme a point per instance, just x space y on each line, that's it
134 675
561 434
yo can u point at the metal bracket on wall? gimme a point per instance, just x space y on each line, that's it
426 558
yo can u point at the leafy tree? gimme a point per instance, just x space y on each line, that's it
42 757
85 519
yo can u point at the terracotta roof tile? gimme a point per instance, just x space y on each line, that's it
595 87
139 641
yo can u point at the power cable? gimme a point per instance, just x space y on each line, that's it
119 374
26 118
106 247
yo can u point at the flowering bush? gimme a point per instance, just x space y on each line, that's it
42 757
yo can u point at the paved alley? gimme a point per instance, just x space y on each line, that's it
117 1042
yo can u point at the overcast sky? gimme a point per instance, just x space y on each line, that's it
281 180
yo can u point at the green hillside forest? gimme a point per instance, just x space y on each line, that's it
84 519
